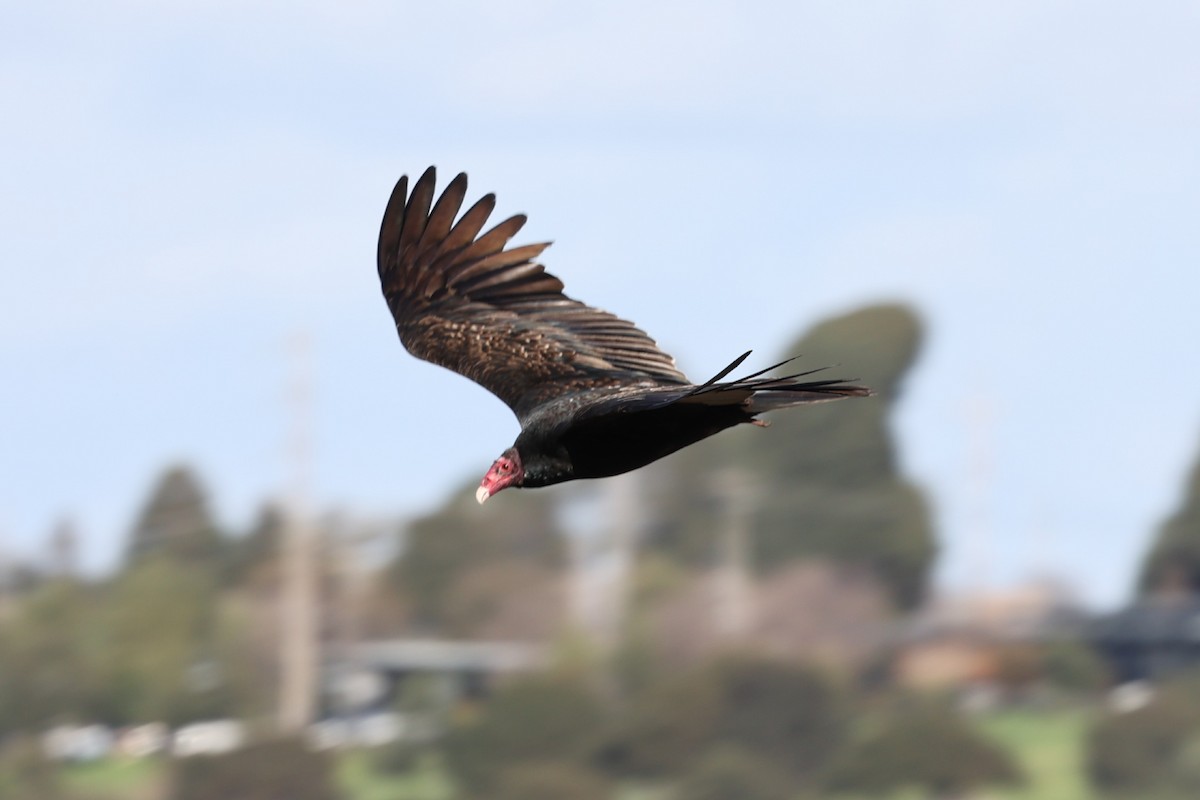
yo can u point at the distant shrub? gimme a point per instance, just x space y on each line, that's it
548 781
426 702
661 733
1074 667
921 744
1187 766
533 719
1151 749
730 773
399 757
792 715
25 772
279 770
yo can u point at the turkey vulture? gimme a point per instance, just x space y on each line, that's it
595 396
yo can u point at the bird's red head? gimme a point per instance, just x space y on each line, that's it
505 471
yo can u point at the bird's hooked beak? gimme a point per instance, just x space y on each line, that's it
504 472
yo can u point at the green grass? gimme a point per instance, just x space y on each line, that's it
1049 747
116 779
360 781
642 792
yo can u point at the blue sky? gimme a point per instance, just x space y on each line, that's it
189 185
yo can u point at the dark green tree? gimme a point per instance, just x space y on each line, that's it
175 522
825 480
660 731
1173 563
1074 667
51 651
731 773
26 773
791 716
551 780
263 544
534 719
926 745
284 769
173 653
836 486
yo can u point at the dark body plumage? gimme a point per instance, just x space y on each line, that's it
594 395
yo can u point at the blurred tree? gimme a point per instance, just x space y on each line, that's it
923 744
837 489
284 769
550 780
507 600
1074 667
730 773
1187 766
426 702
261 546
788 715
50 656
442 549
825 481
384 611
793 715
21 578
174 654
536 718
26 773
175 522
637 663
1173 564
662 729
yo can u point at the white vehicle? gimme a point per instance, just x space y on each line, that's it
208 738
77 742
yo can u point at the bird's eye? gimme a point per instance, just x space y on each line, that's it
506 466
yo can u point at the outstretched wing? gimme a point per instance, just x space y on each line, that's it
465 302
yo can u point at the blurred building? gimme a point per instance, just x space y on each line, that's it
468 670
1154 638
962 639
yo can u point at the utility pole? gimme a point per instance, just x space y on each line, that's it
298 652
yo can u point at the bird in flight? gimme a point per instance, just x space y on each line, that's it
595 396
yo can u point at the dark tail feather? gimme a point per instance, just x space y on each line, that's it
736 363
758 394
785 394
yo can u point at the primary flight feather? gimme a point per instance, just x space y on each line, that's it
594 394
